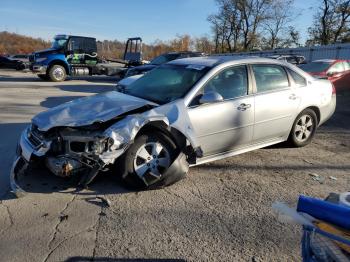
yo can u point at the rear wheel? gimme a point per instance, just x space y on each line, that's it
142 166
303 129
57 73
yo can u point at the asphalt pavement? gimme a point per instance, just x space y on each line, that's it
220 212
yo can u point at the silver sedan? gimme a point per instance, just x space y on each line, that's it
186 112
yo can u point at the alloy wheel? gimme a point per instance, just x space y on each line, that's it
151 158
303 128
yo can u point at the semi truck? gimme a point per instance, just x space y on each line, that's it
77 56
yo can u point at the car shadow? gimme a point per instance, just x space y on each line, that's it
41 180
35 78
5 78
107 259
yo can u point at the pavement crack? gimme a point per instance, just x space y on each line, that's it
56 230
64 240
177 195
9 214
97 226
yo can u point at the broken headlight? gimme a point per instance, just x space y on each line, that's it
99 146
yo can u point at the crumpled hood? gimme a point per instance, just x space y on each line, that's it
88 110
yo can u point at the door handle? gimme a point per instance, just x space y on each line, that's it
292 97
243 106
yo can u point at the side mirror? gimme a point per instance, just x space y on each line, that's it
210 97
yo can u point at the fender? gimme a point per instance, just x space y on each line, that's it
124 132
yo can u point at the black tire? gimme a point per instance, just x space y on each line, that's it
57 73
301 135
125 165
43 77
20 67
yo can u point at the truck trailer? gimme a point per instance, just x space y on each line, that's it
77 56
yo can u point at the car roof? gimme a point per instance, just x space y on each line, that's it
325 61
212 61
330 60
182 53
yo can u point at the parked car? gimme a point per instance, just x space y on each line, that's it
9 63
186 112
159 60
337 71
21 57
293 59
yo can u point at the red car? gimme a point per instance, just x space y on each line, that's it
337 71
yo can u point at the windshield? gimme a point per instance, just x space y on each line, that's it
166 83
59 43
164 59
315 66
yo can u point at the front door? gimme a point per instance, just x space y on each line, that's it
226 125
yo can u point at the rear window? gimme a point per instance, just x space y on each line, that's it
315 67
162 59
336 68
270 77
298 79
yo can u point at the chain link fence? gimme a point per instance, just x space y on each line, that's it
336 51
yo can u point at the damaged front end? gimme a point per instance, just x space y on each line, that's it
64 151
87 146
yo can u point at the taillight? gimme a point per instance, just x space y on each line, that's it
333 89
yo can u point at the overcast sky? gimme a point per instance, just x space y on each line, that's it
120 19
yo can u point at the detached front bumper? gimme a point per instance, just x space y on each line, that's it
24 155
18 166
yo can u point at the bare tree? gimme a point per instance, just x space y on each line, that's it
204 44
238 23
331 23
277 22
254 13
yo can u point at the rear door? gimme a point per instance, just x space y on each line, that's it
276 102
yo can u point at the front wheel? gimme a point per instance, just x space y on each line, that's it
57 73
304 128
142 166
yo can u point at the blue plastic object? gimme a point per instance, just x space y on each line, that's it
325 211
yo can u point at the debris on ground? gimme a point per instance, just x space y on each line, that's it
63 217
317 177
105 201
102 214
307 161
333 178
45 215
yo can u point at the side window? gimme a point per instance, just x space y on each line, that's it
336 68
346 66
230 83
298 79
270 77
75 44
